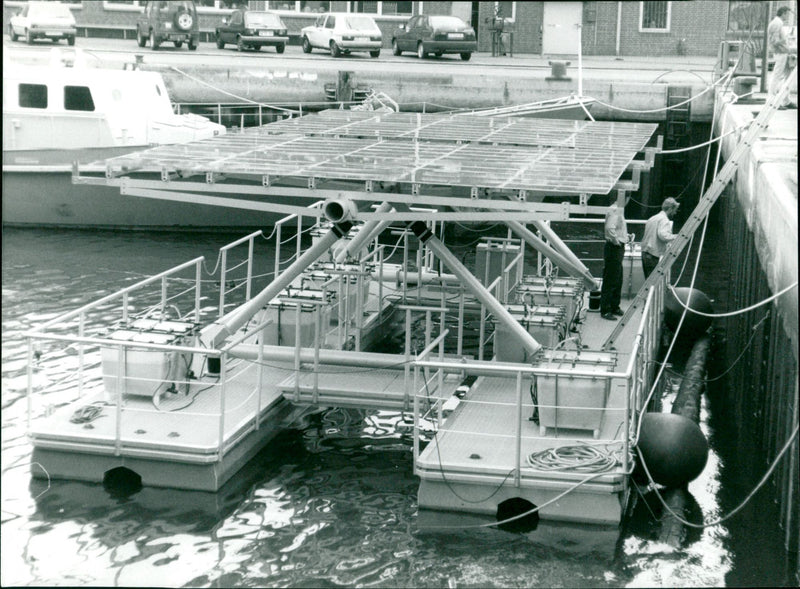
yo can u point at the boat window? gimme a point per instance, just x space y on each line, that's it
78 98
158 90
33 95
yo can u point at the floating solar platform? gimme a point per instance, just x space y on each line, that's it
550 156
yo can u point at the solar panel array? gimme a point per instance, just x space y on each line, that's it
549 155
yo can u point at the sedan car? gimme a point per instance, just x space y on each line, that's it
43 20
343 33
435 34
251 29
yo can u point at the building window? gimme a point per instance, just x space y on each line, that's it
78 98
399 8
217 4
367 7
505 10
33 95
314 6
654 16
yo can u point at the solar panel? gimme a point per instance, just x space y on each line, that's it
549 155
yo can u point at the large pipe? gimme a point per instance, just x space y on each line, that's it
326 356
500 313
537 243
557 244
368 231
226 326
415 278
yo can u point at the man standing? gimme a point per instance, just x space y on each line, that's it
657 235
778 44
616 232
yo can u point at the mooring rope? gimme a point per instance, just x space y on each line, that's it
739 311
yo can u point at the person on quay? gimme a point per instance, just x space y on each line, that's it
657 235
778 43
616 233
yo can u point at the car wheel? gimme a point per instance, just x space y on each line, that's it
178 44
28 37
280 48
70 40
465 56
421 50
220 42
192 45
335 51
239 44
154 43
306 45
11 33
376 53
140 39
395 48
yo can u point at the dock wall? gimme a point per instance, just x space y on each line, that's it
759 215
431 90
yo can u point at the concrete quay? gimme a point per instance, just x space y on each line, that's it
766 191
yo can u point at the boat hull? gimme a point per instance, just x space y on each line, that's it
38 192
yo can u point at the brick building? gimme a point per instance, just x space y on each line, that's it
629 28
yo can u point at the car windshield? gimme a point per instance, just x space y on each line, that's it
447 22
360 22
262 19
57 10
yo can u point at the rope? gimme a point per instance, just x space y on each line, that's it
199 81
741 505
709 142
578 458
734 313
86 414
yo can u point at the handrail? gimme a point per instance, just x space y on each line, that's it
111 297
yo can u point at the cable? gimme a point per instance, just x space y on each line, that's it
741 505
733 313
709 142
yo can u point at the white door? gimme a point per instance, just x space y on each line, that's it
561 32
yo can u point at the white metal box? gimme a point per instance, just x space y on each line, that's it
143 372
547 325
491 258
632 272
568 295
283 311
570 401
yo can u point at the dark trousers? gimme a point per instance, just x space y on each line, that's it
649 263
612 277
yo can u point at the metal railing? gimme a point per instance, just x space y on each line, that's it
634 377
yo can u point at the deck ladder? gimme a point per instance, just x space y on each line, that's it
704 205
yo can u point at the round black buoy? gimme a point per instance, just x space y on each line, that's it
694 325
673 447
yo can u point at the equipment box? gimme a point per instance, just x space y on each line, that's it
283 311
568 295
143 372
546 324
632 273
492 258
570 401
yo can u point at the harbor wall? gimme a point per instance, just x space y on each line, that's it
760 346
432 90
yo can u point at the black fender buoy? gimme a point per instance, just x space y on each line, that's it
673 448
694 325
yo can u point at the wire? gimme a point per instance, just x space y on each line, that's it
709 142
741 505
734 313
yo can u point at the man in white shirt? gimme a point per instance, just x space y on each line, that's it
616 233
779 47
657 235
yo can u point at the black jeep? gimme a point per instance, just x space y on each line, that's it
171 21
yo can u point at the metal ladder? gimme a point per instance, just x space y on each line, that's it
704 205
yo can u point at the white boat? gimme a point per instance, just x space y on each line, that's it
66 111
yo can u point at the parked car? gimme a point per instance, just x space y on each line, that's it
250 29
43 20
169 21
343 33
435 34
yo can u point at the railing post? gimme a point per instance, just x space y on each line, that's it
260 381
163 296
297 334
223 270
407 364
416 418
197 284
249 270
120 383
518 449
222 375
277 251
317 343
